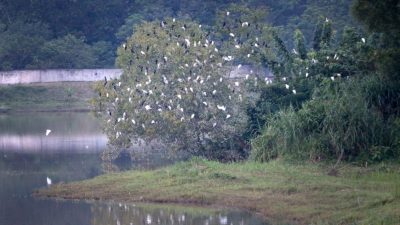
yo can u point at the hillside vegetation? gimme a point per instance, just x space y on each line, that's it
85 34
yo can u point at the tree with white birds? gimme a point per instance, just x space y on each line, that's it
173 90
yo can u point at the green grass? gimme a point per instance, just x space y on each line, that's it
280 191
65 96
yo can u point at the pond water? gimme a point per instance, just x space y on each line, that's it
72 152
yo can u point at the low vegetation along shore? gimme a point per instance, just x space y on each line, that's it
52 97
281 192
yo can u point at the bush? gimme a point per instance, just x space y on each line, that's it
341 119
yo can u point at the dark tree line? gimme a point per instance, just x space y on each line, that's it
79 34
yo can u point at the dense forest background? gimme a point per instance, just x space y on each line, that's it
43 34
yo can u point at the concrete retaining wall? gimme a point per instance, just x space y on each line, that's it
59 75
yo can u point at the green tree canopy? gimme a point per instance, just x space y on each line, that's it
19 42
174 89
66 52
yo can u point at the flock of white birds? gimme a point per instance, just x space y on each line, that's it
194 84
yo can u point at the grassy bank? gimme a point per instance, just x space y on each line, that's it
63 96
280 191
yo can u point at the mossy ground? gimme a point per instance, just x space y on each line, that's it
280 191
60 96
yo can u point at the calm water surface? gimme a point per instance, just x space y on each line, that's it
72 152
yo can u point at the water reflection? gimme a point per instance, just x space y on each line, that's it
127 214
72 152
71 132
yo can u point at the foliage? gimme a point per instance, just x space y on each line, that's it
378 16
339 120
299 71
382 18
112 21
158 74
346 120
173 90
67 52
19 42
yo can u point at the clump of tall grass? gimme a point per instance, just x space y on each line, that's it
344 120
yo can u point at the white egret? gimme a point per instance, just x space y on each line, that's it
187 42
48 181
48 132
221 107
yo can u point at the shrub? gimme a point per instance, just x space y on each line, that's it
340 121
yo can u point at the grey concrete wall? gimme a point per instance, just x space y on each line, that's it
62 75
59 75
